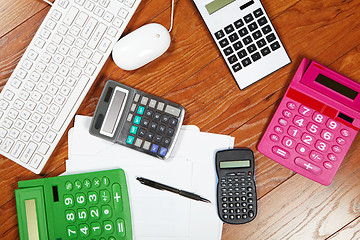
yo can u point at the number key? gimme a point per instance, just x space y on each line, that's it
92 197
305 111
299 121
319 118
84 230
71 231
68 200
70 216
333 125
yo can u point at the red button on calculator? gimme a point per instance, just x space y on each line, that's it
315 123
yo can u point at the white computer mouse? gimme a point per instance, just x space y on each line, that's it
141 46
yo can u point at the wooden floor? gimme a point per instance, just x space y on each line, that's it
193 74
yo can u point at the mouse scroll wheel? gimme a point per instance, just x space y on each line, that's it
157 35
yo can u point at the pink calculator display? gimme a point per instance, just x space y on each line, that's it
315 123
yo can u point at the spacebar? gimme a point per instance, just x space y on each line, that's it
69 105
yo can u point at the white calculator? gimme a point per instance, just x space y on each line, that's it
246 38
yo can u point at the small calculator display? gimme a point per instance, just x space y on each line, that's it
80 206
236 190
315 123
245 37
137 120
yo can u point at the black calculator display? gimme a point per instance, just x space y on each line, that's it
137 120
236 190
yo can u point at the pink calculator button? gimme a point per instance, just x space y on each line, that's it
294 132
332 157
322 146
308 139
299 121
288 142
287 114
274 138
278 130
333 125
302 149
283 122
291 105
336 149
326 135
313 128
307 166
315 156
305 111
345 133
340 141
328 165
319 118
281 152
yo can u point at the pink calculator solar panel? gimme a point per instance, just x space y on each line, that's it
315 123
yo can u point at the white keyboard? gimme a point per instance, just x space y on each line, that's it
54 75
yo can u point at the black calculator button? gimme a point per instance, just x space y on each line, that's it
237 67
166 142
244 216
157 138
224 42
229 29
249 194
228 51
224 199
150 136
142 132
251 48
258 12
239 23
238 216
242 32
246 62
266 29
275 46
271 37
161 129
219 34
233 37
243 204
232 59
145 122
157 116
247 40
248 18
251 213
250 206
242 54
173 122
170 132
249 189
256 56
252 26
224 205
225 216
261 43
149 113
256 35
262 21
165 119
238 45
153 126
244 210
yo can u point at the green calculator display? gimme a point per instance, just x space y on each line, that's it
93 206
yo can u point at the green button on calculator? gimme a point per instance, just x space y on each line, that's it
81 206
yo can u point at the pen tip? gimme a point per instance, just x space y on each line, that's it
205 200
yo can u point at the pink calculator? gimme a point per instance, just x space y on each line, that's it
315 123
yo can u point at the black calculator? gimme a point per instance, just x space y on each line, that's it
137 120
236 190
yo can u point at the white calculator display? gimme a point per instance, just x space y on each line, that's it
246 38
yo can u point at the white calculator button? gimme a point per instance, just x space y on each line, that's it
144 100
160 106
35 162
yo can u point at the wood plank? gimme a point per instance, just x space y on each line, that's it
351 231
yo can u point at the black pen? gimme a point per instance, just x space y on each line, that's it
160 186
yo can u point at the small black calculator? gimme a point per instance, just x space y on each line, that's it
137 120
236 190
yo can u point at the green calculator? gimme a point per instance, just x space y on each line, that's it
92 206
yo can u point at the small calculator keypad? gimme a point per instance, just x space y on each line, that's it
247 40
93 208
153 124
237 196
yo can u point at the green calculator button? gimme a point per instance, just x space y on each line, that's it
137 120
105 181
80 199
120 227
87 183
68 186
140 110
78 184
108 227
112 238
70 216
93 197
84 230
94 213
130 139
68 200
71 231
105 196
96 182
116 191
82 214
96 229
133 130
106 211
